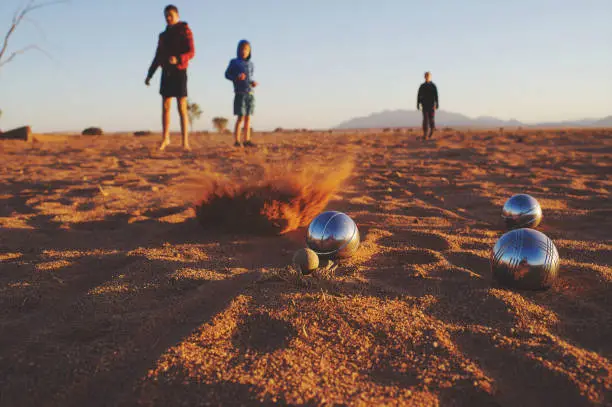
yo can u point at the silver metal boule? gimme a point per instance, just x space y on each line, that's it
522 211
525 259
333 234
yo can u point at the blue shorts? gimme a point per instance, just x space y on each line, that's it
244 104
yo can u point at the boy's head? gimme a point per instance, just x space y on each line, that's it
171 14
244 50
427 76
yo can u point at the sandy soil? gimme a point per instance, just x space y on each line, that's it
113 294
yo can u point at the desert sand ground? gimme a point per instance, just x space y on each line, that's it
113 294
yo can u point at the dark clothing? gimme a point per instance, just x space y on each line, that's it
173 83
174 41
244 104
428 96
238 66
429 119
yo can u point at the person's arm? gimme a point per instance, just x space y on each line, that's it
184 58
156 60
436 97
230 72
251 71
419 97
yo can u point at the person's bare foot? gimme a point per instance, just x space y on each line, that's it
186 147
164 144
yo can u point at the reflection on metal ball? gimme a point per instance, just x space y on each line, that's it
333 234
525 259
522 211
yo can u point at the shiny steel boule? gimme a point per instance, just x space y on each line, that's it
521 211
332 235
525 259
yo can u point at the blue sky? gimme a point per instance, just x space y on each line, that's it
318 62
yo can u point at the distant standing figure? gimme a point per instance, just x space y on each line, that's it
240 72
427 100
174 51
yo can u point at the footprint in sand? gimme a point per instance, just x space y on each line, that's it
506 364
419 240
402 257
429 212
473 262
262 333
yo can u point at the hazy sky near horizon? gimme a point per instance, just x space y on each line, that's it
318 62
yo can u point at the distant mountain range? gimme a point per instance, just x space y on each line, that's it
413 118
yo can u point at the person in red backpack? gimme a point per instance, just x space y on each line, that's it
174 51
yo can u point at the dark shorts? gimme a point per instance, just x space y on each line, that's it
173 83
244 104
429 119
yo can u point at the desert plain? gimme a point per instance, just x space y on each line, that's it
114 292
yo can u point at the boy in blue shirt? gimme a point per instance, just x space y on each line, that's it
240 72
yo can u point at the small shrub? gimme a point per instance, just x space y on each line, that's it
194 111
142 133
220 123
92 131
